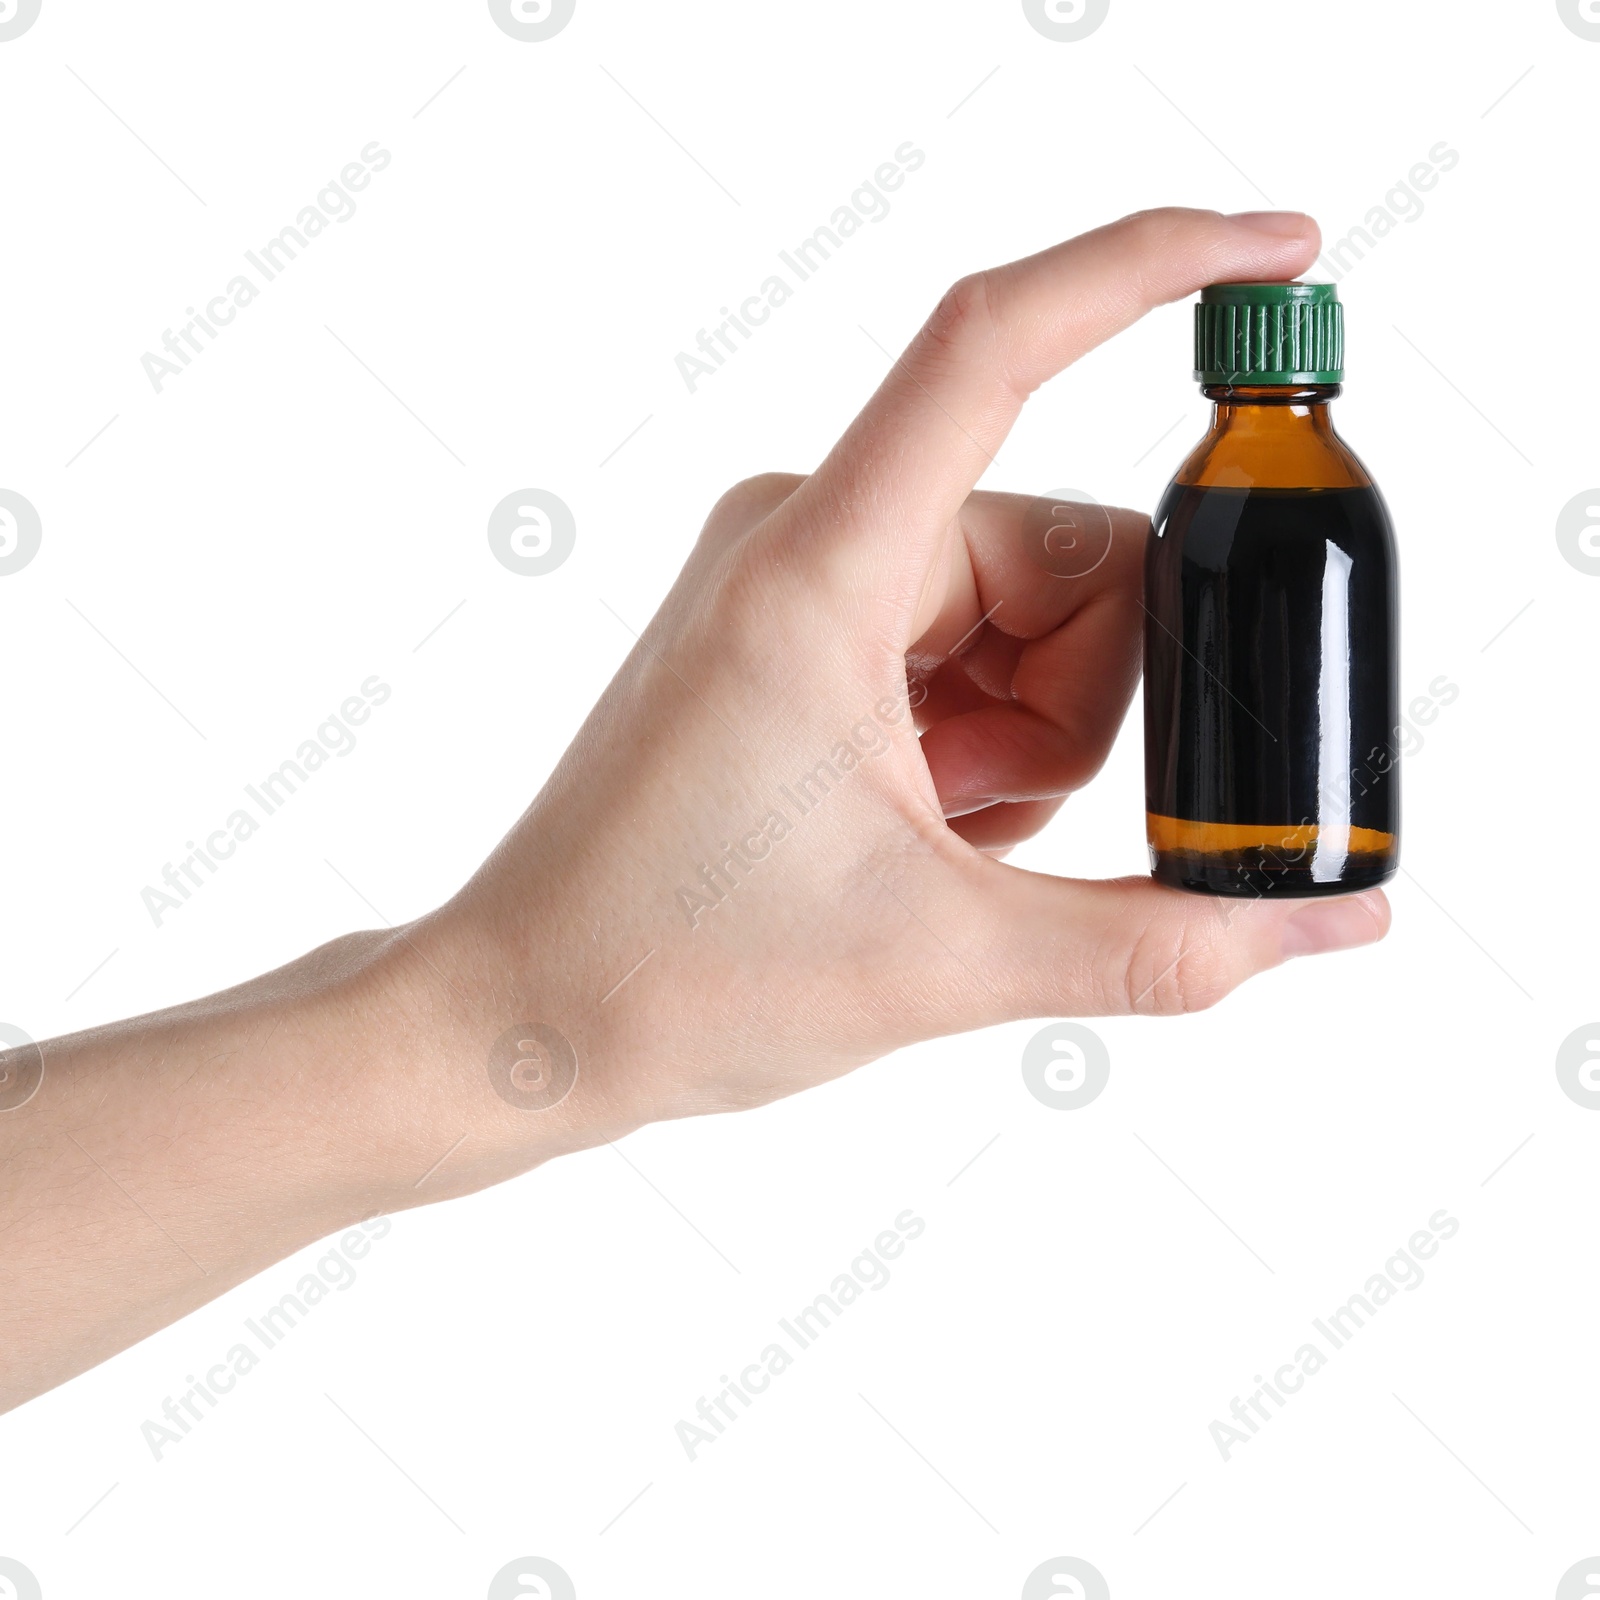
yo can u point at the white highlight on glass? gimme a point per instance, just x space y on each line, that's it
1333 705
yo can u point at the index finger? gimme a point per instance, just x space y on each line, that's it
900 473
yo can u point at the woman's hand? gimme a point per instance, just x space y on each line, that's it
748 874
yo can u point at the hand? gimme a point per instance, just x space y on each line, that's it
749 813
746 876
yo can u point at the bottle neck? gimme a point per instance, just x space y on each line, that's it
1273 435
1275 409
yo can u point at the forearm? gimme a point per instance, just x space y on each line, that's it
166 1158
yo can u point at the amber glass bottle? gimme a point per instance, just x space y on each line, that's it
1271 693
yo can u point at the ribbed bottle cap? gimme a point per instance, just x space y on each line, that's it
1250 333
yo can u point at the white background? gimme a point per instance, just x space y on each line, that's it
1095 1288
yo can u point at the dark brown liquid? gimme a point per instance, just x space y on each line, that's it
1271 693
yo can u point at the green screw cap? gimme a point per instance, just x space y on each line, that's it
1269 333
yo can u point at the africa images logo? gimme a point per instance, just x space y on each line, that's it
532 21
1066 21
21 532
16 17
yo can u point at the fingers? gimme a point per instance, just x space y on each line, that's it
1051 660
997 828
893 483
1063 947
1026 563
1069 696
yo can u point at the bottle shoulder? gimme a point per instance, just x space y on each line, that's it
1241 458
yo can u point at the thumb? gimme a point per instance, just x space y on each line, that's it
1071 947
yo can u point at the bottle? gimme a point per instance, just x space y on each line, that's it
1271 664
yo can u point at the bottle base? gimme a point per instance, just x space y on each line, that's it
1287 862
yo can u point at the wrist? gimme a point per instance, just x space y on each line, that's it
476 1070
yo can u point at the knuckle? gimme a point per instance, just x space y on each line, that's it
1154 224
749 501
1172 970
768 488
1153 235
963 318
1155 227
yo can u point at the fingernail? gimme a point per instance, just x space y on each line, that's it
1279 224
1325 925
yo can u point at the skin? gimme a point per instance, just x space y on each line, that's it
166 1158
